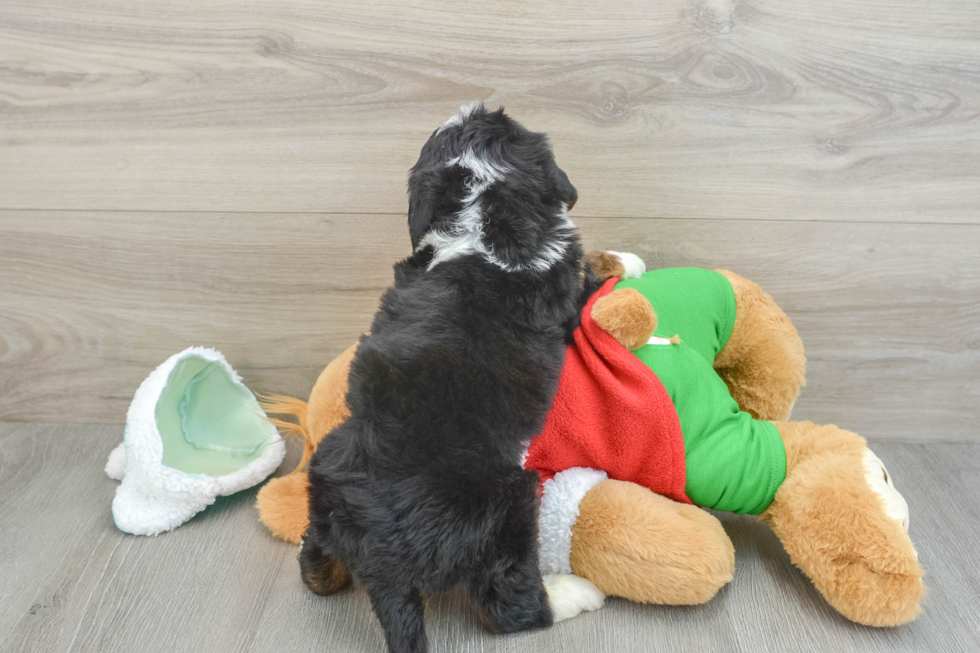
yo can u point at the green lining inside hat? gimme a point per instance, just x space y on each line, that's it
209 423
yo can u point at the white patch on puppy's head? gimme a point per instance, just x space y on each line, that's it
484 172
477 151
466 234
463 238
461 115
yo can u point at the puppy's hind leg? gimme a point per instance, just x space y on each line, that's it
402 616
512 596
508 585
321 573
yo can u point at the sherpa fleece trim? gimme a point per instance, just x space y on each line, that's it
558 513
153 497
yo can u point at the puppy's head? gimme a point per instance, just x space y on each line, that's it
485 185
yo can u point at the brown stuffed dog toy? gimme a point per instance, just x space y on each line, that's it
663 407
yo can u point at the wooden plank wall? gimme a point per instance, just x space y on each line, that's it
233 174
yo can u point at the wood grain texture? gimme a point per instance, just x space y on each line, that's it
69 581
758 109
90 303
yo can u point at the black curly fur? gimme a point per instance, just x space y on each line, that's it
422 487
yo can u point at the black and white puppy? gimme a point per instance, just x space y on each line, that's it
422 487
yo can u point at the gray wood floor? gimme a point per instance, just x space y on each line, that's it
69 581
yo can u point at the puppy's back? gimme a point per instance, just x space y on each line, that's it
422 487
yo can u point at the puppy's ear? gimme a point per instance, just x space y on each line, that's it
566 192
420 213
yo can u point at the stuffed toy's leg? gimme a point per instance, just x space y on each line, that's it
644 547
762 363
283 503
843 523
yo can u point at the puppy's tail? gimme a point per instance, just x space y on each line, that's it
283 503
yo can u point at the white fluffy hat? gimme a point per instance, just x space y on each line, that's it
194 432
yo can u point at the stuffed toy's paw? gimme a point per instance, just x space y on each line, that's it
633 265
615 264
570 595
284 506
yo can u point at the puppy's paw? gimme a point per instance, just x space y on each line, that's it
569 595
633 265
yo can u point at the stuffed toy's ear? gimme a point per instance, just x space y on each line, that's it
627 316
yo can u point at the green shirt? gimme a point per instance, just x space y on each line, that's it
733 462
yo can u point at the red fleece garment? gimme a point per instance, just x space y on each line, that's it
611 413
